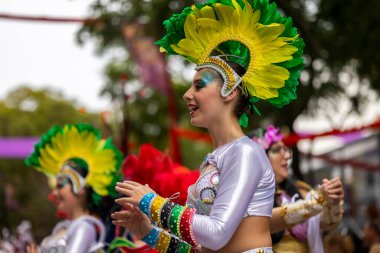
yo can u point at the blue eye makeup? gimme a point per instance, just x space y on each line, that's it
62 182
206 78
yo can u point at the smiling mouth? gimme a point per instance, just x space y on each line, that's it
193 109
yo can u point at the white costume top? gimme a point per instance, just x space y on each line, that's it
77 236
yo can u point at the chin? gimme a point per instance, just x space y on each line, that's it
195 123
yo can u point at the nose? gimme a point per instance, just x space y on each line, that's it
188 95
288 154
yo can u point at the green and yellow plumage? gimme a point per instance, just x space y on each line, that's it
253 30
79 141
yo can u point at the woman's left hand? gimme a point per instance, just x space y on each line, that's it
133 220
335 192
33 248
133 192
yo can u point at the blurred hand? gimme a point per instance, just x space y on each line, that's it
334 189
133 192
133 220
33 248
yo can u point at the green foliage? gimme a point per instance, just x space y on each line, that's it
111 14
27 112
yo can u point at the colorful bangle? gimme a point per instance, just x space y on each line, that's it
184 247
174 221
173 245
155 209
165 214
152 238
163 242
186 226
145 203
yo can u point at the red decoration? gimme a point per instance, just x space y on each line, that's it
292 139
156 169
58 214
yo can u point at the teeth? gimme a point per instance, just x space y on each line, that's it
193 108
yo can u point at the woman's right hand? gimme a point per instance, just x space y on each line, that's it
32 248
133 220
334 189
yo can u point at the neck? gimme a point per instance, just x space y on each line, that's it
78 213
224 131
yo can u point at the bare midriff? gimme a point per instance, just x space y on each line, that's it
252 232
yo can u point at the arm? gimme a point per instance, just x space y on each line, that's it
297 212
333 209
277 222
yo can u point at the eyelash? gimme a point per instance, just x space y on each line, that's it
198 87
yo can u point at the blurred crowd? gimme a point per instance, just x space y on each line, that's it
17 242
345 239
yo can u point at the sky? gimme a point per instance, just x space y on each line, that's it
43 54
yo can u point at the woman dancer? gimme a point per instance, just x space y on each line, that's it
299 213
86 169
244 51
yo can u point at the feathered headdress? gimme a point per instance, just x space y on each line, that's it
251 33
82 144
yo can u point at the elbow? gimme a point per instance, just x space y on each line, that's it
216 245
217 241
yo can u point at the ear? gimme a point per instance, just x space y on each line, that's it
231 96
82 192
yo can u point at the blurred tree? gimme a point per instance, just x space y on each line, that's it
145 108
24 191
28 112
341 55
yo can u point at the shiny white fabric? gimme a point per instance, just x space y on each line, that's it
77 236
246 187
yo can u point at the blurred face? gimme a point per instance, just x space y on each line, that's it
64 197
370 235
203 99
279 156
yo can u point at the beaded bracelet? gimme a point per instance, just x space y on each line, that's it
163 242
186 226
145 203
165 214
150 204
184 247
155 209
175 218
152 238
173 245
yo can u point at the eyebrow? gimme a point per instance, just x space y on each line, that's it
196 81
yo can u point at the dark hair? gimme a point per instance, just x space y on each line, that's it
79 165
243 102
102 209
